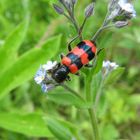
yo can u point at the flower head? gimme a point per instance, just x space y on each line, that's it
121 8
43 76
49 65
40 75
127 7
108 67
47 87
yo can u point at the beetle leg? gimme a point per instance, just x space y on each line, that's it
78 74
62 55
99 51
89 65
69 47
68 78
58 65
69 44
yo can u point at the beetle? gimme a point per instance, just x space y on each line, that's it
77 57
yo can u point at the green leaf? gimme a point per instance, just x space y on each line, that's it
99 62
58 129
25 67
8 52
95 85
109 132
97 67
134 99
30 125
67 99
114 75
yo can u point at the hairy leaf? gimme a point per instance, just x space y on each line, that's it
31 124
8 52
25 67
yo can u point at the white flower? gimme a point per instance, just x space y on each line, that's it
127 7
109 66
40 75
47 87
114 13
121 8
43 76
50 65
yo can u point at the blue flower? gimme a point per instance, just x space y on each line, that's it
47 87
44 87
121 8
49 65
108 67
40 75
43 76
127 7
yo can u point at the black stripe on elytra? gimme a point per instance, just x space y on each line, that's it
90 54
81 44
84 47
88 50
75 59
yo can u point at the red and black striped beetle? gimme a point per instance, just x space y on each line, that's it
74 60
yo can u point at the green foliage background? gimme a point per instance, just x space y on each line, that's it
32 33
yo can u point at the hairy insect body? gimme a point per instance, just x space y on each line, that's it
79 56
75 60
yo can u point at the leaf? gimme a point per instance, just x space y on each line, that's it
67 99
109 132
58 129
8 52
96 83
25 67
98 65
30 125
114 75
99 62
134 99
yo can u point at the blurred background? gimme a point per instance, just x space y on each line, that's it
119 112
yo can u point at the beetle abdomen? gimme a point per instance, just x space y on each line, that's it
79 56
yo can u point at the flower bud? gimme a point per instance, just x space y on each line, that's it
58 9
68 4
120 24
74 1
61 1
89 10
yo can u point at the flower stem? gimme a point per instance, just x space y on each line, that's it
72 19
72 91
103 26
91 111
98 95
94 123
88 90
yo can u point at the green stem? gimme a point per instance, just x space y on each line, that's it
98 95
88 89
72 91
71 17
94 123
102 28
91 110
105 23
